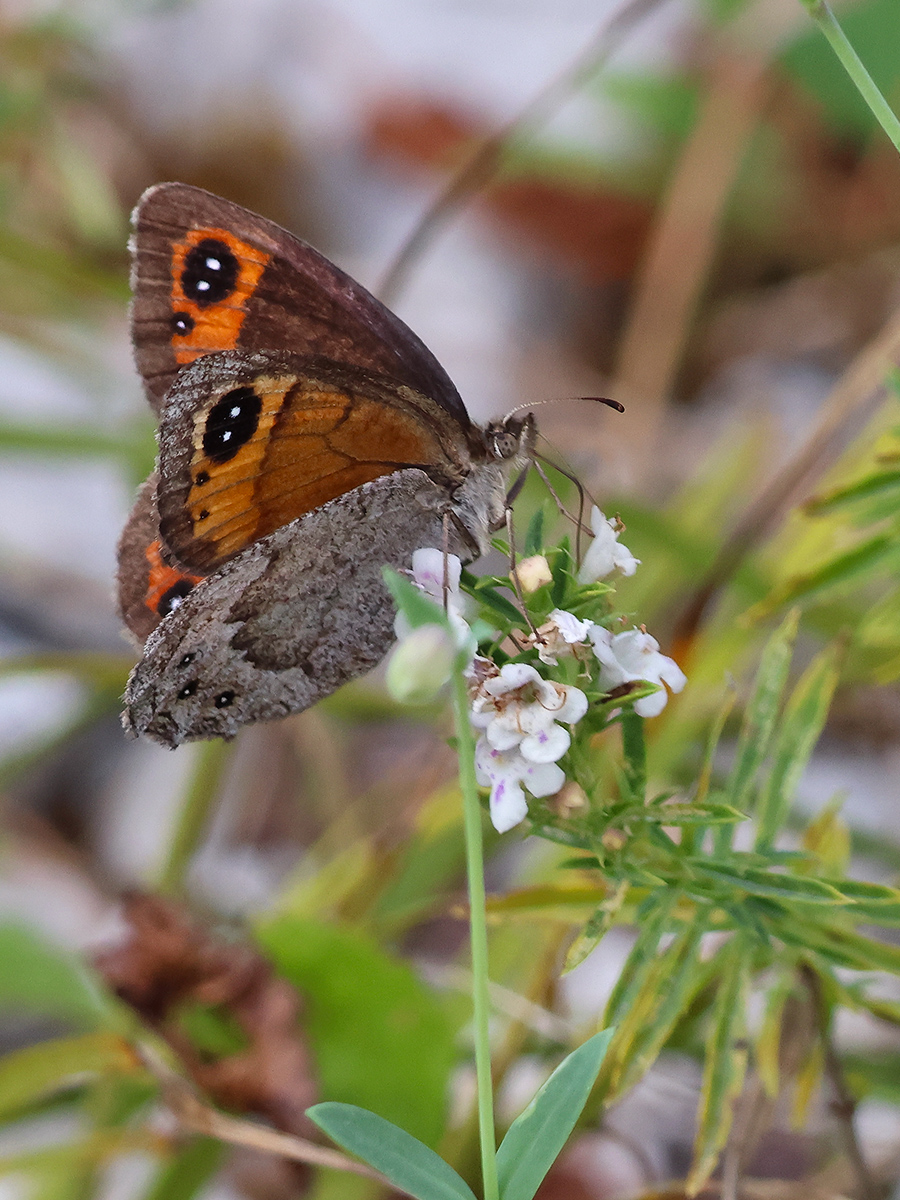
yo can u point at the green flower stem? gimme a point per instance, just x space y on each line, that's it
852 64
202 790
465 748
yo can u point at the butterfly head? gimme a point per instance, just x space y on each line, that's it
511 439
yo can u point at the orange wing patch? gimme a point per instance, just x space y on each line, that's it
267 454
166 586
214 274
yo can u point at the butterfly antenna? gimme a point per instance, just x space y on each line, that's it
563 399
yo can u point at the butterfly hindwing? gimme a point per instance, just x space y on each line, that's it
286 622
250 442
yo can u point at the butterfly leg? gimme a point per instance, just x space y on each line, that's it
578 521
514 574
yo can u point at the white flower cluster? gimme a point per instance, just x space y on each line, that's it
520 715
521 742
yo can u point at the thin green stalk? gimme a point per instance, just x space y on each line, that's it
852 64
465 748
202 790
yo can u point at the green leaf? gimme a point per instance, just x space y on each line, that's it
797 889
381 1038
26 1076
495 602
870 485
418 608
799 729
726 1060
688 814
870 901
634 749
534 538
595 929
537 1135
44 979
863 560
653 919
844 947
188 1172
762 711
408 1163
667 994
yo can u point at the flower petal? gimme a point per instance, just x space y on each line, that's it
543 779
504 732
604 554
508 805
651 706
512 677
547 745
428 567
574 706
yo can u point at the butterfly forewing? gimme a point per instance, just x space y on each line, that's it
209 275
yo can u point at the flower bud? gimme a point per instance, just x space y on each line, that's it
533 573
420 664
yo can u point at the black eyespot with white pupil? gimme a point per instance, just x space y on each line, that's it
188 690
210 273
224 700
182 323
231 423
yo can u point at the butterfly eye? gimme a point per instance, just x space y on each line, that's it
224 700
188 690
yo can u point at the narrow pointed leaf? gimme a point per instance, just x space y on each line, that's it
870 485
28 1075
652 922
867 559
762 711
537 1135
798 889
726 1062
667 995
534 538
408 1163
802 722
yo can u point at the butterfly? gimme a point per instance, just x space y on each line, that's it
306 438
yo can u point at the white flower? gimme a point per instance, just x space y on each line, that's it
518 711
633 655
505 772
604 554
428 566
559 634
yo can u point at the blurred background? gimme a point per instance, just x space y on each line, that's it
695 216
